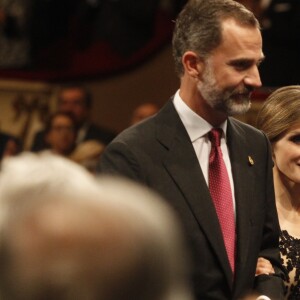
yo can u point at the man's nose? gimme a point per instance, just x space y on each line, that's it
253 78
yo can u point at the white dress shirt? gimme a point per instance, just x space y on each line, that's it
198 129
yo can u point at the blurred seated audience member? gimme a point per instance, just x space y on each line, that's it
9 145
143 111
67 235
76 100
88 154
60 133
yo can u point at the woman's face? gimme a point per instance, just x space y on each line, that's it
61 136
286 154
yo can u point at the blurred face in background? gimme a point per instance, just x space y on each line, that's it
62 135
72 100
142 112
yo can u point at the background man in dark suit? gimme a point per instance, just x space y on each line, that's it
217 47
9 145
76 100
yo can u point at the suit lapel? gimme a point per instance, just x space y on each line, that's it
243 183
182 165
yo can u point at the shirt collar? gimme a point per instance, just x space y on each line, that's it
195 125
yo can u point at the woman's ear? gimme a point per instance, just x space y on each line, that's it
193 64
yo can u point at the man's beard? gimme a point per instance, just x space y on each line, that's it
231 102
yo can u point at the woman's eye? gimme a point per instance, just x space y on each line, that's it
295 139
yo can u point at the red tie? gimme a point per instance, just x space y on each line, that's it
220 190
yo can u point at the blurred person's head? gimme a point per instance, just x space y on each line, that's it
66 235
143 111
60 133
9 145
76 100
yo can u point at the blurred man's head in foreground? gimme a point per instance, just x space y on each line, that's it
66 235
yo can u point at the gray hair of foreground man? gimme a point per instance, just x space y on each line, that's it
67 235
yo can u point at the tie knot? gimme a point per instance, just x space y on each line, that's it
215 137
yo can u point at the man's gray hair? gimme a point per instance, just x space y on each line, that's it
198 27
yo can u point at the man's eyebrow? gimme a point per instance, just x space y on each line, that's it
240 61
245 61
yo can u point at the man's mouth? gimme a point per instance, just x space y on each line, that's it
242 96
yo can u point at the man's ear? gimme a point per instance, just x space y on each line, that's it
193 64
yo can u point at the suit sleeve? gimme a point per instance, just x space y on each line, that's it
117 159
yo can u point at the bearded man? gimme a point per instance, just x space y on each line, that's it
215 171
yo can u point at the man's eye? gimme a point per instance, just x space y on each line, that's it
295 139
241 65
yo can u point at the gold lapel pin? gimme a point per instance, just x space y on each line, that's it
250 160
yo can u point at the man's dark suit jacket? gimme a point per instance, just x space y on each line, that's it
158 152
